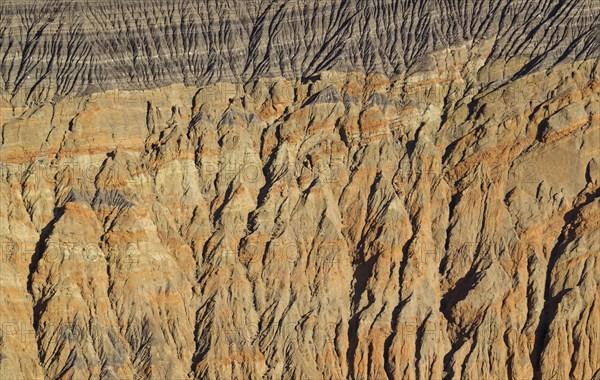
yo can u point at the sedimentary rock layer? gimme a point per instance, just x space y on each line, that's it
55 48
299 190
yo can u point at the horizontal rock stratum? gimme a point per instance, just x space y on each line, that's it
299 190
52 48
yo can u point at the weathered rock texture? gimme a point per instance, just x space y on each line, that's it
300 190
53 48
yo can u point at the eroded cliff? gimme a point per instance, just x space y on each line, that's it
387 221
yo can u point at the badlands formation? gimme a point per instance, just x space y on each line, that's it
270 189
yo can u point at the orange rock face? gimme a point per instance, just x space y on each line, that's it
327 240
440 224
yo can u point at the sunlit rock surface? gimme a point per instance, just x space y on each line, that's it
299 190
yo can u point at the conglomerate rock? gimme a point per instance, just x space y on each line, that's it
299 190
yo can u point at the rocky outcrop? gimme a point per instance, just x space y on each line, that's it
432 215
